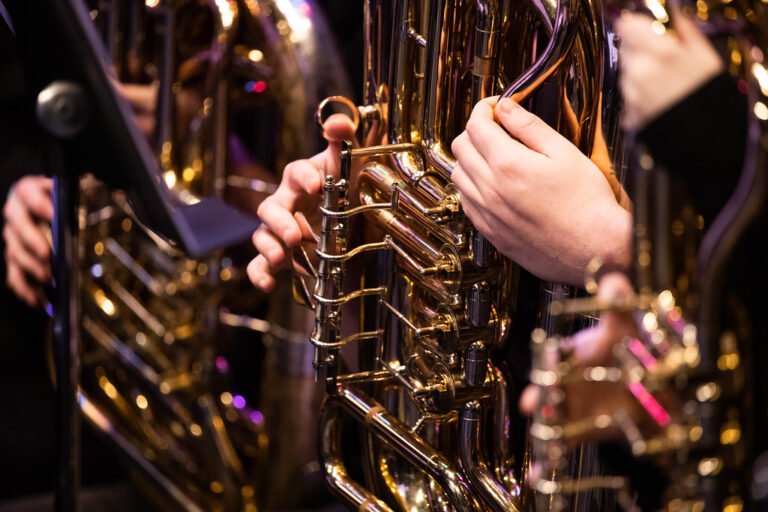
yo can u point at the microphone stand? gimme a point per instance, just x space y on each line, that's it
63 110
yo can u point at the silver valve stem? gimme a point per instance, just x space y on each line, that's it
482 250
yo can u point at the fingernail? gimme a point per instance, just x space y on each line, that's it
505 105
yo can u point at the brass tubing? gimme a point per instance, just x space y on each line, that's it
136 368
502 425
374 151
375 185
487 29
403 234
396 435
474 464
365 377
411 165
466 335
380 183
336 475
128 448
165 112
564 33
399 101
218 82
438 151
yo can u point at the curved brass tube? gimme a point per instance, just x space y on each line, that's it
487 34
437 150
375 183
476 467
564 32
396 435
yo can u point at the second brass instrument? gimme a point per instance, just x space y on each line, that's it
169 376
692 396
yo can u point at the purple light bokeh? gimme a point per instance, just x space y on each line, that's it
222 364
238 401
257 417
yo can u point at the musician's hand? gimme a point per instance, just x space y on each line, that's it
594 346
143 101
658 69
590 404
535 196
287 215
27 250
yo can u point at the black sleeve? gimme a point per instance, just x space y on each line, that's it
702 140
19 138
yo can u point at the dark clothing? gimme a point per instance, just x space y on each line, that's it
19 153
702 142
27 421
26 394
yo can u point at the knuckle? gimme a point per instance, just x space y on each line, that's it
460 143
263 210
290 167
252 270
261 242
22 187
293 170
36 202
473 124
524 120
259 234
457 177
276 257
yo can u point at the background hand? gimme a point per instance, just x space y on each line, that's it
27 249
143 101
658 69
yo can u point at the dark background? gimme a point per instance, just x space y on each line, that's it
27 421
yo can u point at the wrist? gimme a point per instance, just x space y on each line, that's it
612 238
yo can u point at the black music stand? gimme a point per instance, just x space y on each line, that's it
90 129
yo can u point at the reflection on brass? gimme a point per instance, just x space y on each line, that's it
224 91
404 281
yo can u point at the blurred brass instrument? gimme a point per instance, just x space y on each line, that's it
226 89
416 293
689 388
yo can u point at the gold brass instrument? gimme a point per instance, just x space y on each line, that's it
417 294
688 384
233 85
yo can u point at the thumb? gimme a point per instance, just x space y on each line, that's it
337 128
530 129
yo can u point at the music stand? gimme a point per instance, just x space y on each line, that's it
90 129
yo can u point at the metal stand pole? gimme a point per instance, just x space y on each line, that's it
62 111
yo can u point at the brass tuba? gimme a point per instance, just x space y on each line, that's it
690 385
168 362
418 295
